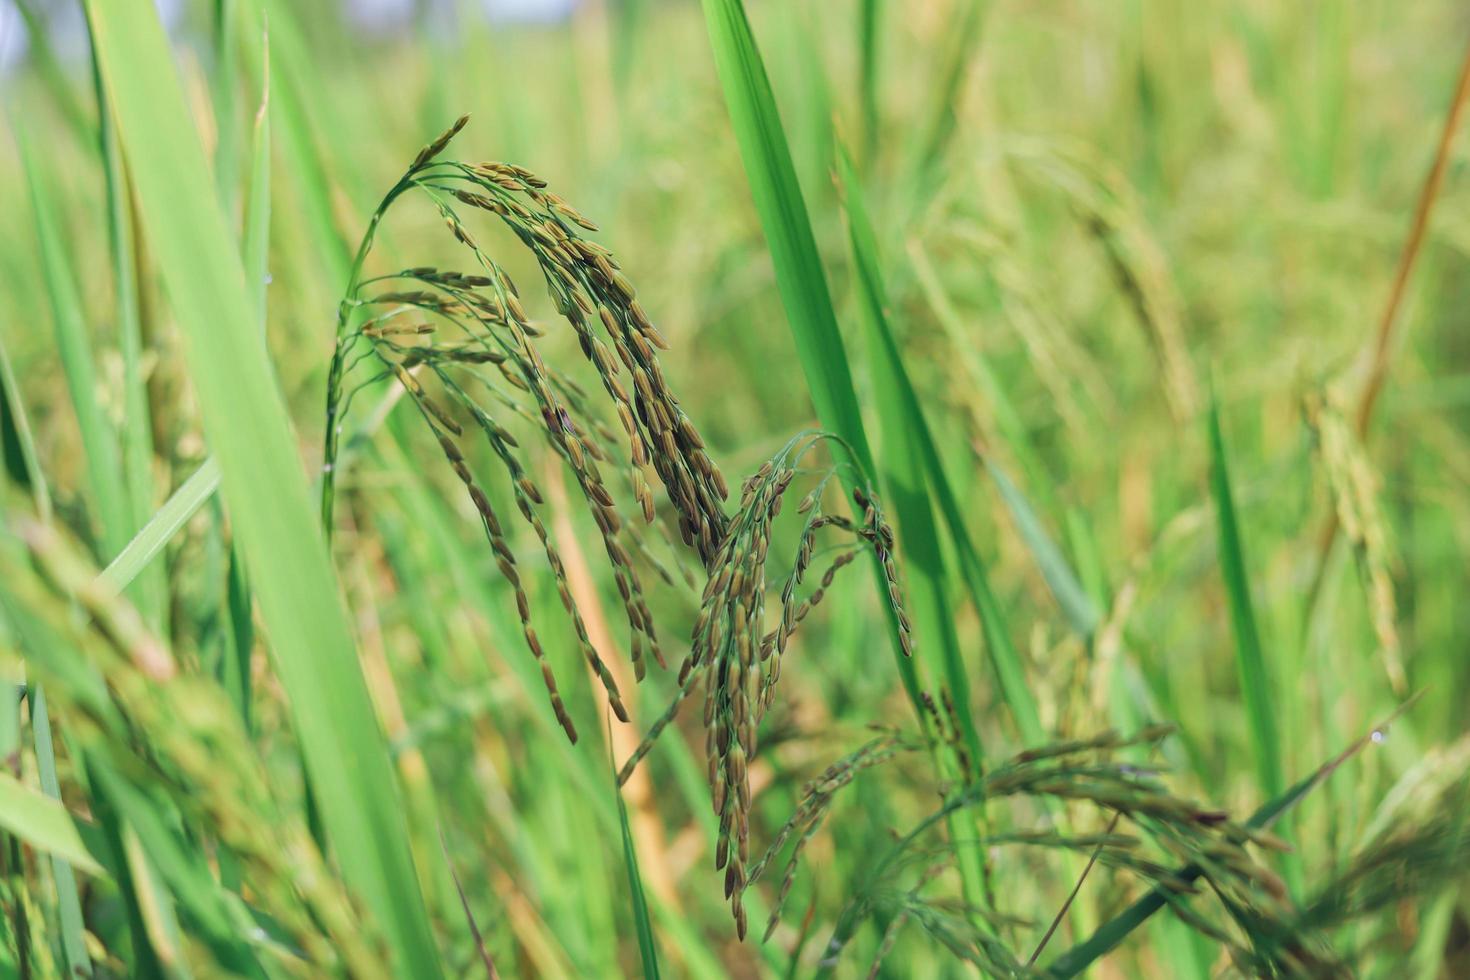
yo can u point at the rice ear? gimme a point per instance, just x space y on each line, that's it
485 309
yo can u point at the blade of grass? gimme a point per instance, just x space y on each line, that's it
106 484
647 948
906 483
222 93
136 437
74 344
164 524
1256 686
15 431
43 823
17 901
802 284
1257 678
1053 565
167 868
68 901
800 279
870 16
288 61
17 442
265 490
904 471
903 416
255 252
1005 660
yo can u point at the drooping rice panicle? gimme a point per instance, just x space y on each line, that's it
493 341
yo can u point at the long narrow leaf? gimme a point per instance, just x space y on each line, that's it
43 823
1004 658
136 438
163 525
265 490
907 483
800 278
17 444
68 901
74 344
1055 569
778 199
1255 678
870 34
256 243
647 948
907 479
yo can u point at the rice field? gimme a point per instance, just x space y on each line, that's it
823 488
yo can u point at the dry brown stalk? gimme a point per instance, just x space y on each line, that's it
1387 333
648 829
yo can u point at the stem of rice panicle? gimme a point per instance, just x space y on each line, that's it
344 317
339 356
343 345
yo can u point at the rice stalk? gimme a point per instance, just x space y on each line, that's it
1385 337
470 334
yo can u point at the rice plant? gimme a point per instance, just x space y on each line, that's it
1085 598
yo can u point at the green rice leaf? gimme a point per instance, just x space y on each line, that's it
907 477
800 278
870 33
913 431
17 444
647 947
164 524
74 344
136 437
68 901
1055 569
1256 686
43 823
246 424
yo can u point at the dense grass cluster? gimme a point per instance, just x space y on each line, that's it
1086 596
